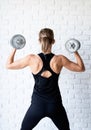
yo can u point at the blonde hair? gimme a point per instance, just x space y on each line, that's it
46 37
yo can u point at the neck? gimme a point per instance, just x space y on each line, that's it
47 52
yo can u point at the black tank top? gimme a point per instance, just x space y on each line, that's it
47 88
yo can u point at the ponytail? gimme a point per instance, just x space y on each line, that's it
46 42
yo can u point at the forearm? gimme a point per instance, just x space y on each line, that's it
79 61
11 57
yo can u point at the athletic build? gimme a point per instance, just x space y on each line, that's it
46 67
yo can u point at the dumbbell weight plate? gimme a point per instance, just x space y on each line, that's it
18 41
72 45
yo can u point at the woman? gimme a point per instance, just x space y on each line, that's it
46 67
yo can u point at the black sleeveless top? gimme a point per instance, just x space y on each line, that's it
47 88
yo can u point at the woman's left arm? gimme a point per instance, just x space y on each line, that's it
18 64
77 66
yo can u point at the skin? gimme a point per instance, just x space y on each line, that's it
35 63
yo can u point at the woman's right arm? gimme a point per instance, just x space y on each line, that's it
78 66
18 64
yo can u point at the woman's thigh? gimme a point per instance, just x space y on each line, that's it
59 117
34 114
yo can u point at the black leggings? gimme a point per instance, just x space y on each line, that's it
40 109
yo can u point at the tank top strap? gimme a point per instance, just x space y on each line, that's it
46 61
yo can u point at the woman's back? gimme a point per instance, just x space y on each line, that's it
37 64
46 80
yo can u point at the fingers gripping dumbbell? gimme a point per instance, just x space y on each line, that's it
18 41
72 45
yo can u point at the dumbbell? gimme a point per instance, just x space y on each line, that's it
72 45
18 41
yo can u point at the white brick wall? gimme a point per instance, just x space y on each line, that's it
68 18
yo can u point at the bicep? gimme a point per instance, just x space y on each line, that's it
70 65
19 64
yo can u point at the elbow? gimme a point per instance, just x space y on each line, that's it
8 66
82 69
